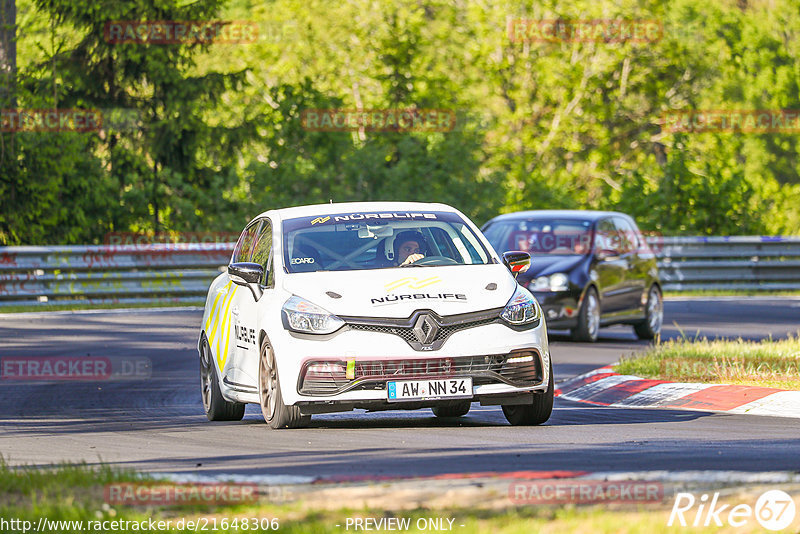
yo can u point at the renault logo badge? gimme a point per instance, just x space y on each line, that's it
425 329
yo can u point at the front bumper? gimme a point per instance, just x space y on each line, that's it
560 308
374 358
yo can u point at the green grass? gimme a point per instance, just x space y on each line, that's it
769 363
77 305
75 493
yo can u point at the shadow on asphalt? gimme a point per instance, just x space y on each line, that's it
640 455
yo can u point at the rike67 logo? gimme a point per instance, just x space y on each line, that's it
774 510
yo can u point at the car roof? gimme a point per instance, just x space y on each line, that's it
585 215
353 207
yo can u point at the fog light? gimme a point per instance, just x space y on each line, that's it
520 359
326 370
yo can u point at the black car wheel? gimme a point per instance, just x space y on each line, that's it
588 318
532 414
214 404
654 316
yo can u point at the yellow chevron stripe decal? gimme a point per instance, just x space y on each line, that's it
223 322
212 314
216 311
227 333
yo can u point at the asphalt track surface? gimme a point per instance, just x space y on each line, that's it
157 424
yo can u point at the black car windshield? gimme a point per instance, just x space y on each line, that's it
565 237
379 240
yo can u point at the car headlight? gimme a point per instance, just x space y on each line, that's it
522 309
304 316
554 282
559 282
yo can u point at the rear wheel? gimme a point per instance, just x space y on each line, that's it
654 316
588 318
214 404
452 410
532 414
276 413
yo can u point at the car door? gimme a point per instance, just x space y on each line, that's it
224 345
611 266
636 275
245 311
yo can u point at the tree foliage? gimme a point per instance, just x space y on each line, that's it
218 134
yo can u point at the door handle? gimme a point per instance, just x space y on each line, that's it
235 310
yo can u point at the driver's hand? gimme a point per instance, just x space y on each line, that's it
412 258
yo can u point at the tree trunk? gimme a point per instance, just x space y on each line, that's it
8 53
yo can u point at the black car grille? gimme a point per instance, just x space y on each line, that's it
373 374
407 333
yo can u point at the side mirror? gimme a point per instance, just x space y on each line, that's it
606 254
517 261
247 274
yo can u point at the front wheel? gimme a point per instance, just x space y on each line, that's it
588 318
654 316
532 414
214 404
276 413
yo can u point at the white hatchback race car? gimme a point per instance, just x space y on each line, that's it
376 306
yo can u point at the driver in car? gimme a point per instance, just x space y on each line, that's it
409 246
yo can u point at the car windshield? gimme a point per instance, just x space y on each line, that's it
379 240
564 237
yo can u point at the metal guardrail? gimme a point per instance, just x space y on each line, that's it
761 263
181 273
124 274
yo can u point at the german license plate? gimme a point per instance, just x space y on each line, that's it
449 388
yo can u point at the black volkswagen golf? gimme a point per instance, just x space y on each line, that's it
589 269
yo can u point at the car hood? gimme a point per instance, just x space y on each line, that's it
446 290
545 265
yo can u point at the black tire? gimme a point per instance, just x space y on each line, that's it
588 318
276 413
654 315
214 404
452 410
532 414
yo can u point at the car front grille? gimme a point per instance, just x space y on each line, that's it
410 328
373 374
407 333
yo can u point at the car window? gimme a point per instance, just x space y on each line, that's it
627 234
607 237
375 241
562 237
262 252
244 247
